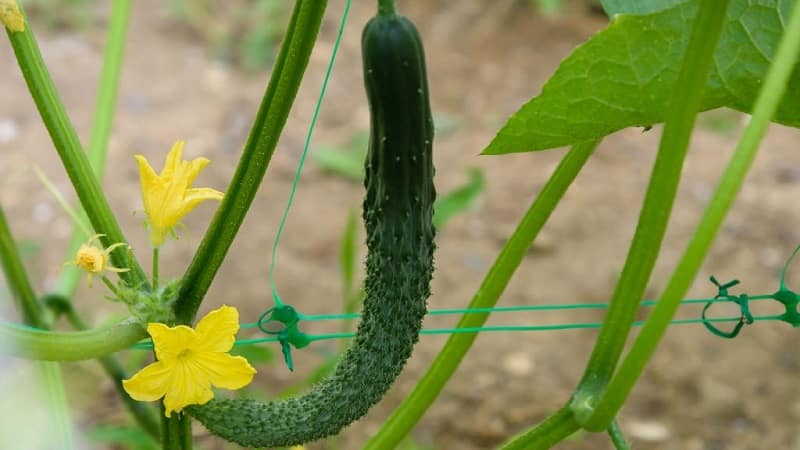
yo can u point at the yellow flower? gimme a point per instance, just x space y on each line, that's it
94 259
191 361
11 16
168 196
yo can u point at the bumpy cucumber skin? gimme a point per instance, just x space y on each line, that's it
398 213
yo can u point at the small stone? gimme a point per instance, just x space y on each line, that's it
42 213
518 364
787 175
9 130
648 431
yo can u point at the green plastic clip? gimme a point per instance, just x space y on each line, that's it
723 295
288 332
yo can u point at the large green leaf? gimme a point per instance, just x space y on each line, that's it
624 76
612 7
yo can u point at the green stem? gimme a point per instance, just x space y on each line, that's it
545 435
70 151
765 106
110 286
17 278
58 407
155 269
69 346
386 7
177 432
33 314
655 213
69 277
186 431
617 438
278 99
141 412
495 282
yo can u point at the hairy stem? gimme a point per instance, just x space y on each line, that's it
69 277
287 74
70 151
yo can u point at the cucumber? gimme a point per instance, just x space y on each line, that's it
398 213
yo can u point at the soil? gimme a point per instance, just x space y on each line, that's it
699 392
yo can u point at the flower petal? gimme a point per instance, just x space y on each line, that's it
193 169
169 342
189 386
195 196
150 383
149 180
173 161
224 370
217 330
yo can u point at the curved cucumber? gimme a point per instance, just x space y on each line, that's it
398 212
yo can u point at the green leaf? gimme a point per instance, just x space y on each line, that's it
255 354
612 7
347 162
130 437
457 201
625 75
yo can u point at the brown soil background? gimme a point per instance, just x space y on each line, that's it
700 392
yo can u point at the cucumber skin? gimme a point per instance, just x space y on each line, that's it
398 213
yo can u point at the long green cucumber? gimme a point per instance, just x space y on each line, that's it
398 212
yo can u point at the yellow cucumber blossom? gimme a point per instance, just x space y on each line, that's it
94 259
190 361
11 16
168 196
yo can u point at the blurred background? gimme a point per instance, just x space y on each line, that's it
196 70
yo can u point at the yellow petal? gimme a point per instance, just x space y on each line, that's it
169 342
11 16
149 181
150 383
195 196
193 169
188 386
217 330
173 161
225 371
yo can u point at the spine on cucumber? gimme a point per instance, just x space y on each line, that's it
398 213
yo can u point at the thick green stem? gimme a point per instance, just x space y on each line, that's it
70 151
177 432
69 277
658 202
495 282
287 74
768 100
545 435
31 343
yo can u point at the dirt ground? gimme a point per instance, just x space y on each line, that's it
700 392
